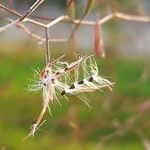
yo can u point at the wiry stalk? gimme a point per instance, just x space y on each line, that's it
31 10
47 46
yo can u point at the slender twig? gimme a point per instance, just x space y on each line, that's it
10 25
37 37
32 9
57 20
108 17
105 19
47 46
10 10
127 17
14 12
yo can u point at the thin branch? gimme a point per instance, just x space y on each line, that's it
105 19
35 36
47 46
57 20
10 25
32 9
10 10
109 17
127 17
14 12
57 40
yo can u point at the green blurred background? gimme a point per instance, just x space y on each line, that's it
119 120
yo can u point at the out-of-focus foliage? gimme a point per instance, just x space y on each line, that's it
118 120
18 107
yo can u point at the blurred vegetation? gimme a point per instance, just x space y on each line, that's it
118 121
18 106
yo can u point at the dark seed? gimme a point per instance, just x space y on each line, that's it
44 84
63 92
90 79
81 82
53 81
72 86
66 68
57 73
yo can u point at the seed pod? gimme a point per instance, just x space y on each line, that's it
98 41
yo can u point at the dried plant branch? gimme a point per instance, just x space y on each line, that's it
32 9
103 20
57 20
24 28
109 17
128 17
9 26
47 46
14 12
37 37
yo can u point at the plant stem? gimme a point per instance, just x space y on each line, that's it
47 46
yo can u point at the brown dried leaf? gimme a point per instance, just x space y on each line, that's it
98 41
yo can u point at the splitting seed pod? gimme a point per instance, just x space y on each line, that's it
51 83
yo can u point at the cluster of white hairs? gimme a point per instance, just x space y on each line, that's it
55 81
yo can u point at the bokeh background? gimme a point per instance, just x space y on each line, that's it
119 120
